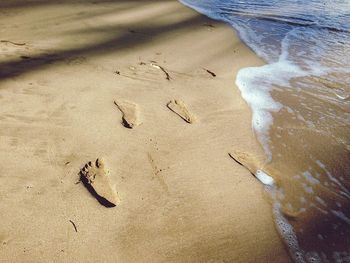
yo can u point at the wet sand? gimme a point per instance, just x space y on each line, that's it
80 81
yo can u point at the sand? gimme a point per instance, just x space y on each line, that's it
63 66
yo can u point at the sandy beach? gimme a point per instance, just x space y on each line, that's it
69 73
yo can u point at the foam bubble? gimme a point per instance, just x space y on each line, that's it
321 201
313 257
287 232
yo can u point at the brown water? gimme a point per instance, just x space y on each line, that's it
311 167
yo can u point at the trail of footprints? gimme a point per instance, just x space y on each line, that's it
131 112
95 175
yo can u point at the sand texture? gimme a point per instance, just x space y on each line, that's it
179 196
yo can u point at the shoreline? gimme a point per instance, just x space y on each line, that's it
182 198
300 116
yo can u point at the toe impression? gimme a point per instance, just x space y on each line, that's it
95 178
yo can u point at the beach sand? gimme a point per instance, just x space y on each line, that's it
87 80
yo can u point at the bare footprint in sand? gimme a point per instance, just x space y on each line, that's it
131 113
95 178
178 107
245 160
251 164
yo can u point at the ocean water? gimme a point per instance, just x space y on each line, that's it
300 103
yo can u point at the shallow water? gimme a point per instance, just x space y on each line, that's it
300 102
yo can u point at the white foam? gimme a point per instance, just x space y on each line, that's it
308 189
287 232
342 97
255 86
321 201
336 182
313 257
342 216
308 176
264 178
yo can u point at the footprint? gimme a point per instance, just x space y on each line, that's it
178 107
156 173
131 113
250 163
245 160
95 178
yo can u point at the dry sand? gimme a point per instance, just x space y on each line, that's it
181 197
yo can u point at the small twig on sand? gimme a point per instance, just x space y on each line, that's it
13 43
162 69
210 72
75 227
